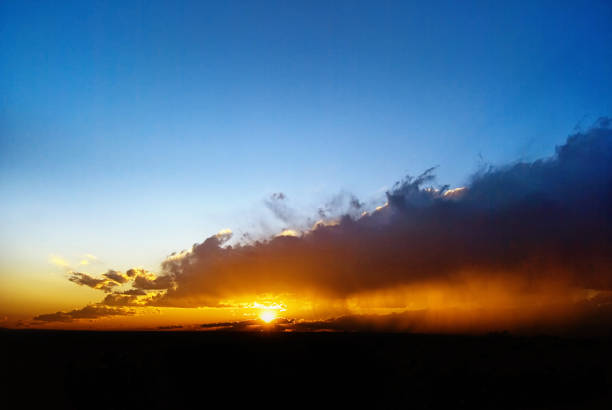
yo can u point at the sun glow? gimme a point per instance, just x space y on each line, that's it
267 315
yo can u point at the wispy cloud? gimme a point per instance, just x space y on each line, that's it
59 261
88 259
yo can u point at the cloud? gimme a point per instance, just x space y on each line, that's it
121 299
88 259
134 292
130 297
134 272
520 236
88 312
84 279
143 286
150 282
140 280
59 261
277 204
116 276
342 204
548 220
289 232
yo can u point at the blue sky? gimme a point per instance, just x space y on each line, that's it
133 129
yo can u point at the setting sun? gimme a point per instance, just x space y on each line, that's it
267 316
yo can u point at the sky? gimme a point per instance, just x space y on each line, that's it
131 130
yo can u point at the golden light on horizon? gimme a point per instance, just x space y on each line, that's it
267 316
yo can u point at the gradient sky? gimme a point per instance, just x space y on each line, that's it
129 130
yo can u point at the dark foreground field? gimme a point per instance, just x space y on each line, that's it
112 370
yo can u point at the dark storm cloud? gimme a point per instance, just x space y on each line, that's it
545 220
88 312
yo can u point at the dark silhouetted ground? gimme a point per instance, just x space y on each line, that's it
113 370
